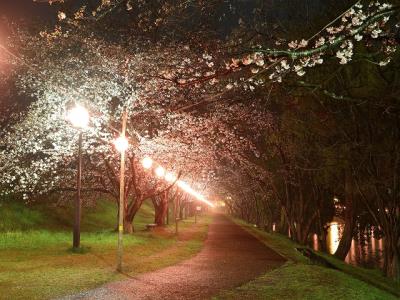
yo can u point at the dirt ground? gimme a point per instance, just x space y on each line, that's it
230 257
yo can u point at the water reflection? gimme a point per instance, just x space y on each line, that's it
332 240
365 251
315 242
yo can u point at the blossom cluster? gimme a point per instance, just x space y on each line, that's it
360 22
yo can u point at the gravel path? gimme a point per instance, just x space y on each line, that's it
230 257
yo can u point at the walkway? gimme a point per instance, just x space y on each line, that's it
230 257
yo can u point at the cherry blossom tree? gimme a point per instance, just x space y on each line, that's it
39 151
202 104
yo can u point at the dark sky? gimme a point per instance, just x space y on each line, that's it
281 9
26 9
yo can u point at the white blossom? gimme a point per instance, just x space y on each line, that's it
61 15
229 86
247 60
254 70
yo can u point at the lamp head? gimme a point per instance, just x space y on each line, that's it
160 171
147 162
121 144
78 116
170 177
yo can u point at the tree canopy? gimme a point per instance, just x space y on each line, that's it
229 96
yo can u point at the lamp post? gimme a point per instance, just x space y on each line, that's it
121 144
197 210
79 117
176 201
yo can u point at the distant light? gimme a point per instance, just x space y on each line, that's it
121 144
184 186
220 203
78 116
160 171
147 162
170 177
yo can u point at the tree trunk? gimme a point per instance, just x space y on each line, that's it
321 232
301 230
130 213
391 266
160 209
128 225
322 239
161 213
283 224
181 212
167 216
127 222
347 236
349 218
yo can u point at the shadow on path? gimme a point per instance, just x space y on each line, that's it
230 257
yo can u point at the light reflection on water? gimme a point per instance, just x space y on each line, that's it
366 250
333 238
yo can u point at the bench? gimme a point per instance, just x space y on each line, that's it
151 226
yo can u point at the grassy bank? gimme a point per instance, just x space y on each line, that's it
36 261
298 278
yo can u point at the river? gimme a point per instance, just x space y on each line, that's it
366 250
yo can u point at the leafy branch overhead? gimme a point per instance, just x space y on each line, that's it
213 93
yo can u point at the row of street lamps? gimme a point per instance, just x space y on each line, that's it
80 119
147 163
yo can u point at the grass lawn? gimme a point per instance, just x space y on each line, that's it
300 279
36 261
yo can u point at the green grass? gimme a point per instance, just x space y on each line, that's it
306 281
38 239
371 276
298 278
16 216
36 261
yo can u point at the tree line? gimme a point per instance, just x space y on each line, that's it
289 129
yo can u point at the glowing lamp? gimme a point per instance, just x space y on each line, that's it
121 144
147 162
186 187
78 116
170 177
160 172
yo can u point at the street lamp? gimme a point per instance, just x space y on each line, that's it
121 144
160 171
170 177
147 162
79 117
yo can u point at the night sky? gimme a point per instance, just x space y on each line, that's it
26 9
280 10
